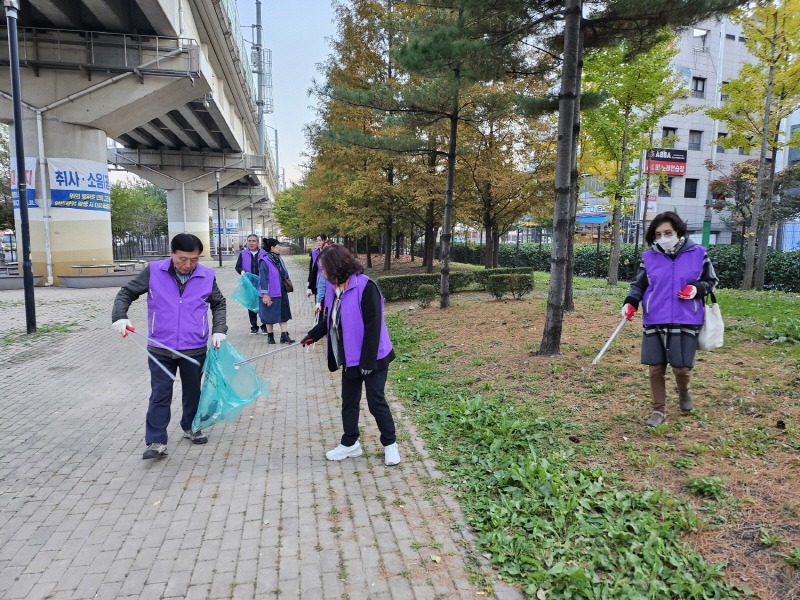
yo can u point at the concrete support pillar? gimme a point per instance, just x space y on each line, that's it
187 212
76 235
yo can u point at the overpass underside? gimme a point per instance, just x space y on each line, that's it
178 109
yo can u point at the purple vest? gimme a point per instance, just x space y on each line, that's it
314 256
273 283
175 320
352 321
247 260
666 277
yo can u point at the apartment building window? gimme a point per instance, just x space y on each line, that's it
724 97
698 87
665 188
742 38
730 36
695 139
668 135
690 188
721 148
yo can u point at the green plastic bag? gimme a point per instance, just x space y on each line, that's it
226 389
246 293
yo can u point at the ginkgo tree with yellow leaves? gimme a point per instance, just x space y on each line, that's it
637 90
765 92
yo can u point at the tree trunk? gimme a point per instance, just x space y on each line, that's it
444 287
430 239
613 259
495 247
387 256
369 252
757 201
565 159
569 299
763 236
398 244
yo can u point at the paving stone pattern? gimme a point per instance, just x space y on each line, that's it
256 513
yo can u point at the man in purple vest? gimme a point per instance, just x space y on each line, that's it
248 263
359 344
179 293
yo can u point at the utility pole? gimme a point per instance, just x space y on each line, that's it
219 223
12 9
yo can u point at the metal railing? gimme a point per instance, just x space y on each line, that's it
107 52
230 8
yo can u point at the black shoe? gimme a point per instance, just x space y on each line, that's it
285 339
197 437
155 451
263 329
270 338
253 330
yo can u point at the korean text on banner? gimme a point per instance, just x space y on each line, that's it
30 179
78 183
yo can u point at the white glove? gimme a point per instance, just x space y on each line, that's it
365 372
308 293
317 307
121 326
217 339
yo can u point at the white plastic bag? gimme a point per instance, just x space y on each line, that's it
712 333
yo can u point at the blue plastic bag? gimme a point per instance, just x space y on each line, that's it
226 389
246 293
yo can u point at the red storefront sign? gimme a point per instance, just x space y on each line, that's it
666 160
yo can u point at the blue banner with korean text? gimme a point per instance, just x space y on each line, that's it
78 183
30 181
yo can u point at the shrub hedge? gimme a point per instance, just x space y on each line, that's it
782 269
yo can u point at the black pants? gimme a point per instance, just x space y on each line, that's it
158 409
253 318
374 384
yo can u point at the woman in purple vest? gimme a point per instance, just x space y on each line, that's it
358 343
248 263
274 298
674 277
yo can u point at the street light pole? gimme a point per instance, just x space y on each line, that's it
12 9
219 223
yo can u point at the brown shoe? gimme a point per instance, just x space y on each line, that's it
655 419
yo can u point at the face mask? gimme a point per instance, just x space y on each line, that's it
667 242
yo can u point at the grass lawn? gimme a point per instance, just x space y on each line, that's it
566 491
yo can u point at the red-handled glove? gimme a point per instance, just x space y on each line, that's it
307 342
628 311
688 292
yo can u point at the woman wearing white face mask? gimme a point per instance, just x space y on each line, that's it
674 277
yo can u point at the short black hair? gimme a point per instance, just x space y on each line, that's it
677 224
186 242
268 243
322 236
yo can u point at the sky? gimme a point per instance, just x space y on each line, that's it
297 32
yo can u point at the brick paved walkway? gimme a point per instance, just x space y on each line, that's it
256 513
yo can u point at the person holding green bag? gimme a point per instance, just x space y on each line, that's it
247 262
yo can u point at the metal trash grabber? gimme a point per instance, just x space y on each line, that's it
165 347
152 357
241 362
608 343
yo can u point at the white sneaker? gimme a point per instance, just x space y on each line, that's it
342 452
391 454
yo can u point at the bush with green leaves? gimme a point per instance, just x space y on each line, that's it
709 486
792 557
425 295
398 287
482 277
497 286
